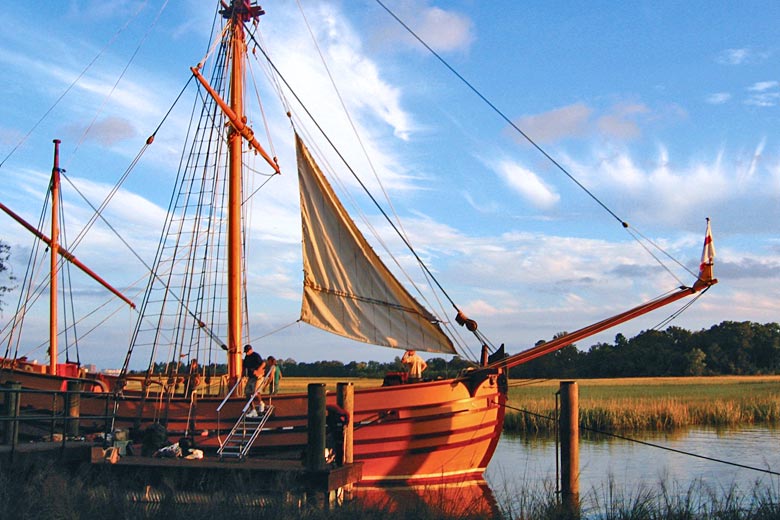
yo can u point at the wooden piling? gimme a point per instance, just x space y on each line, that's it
570 450
315 450
11 406
345 398
72 406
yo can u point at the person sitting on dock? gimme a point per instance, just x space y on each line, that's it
416 365
253 370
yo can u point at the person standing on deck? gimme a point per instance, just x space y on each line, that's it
274 376
416 365
253 370
193 378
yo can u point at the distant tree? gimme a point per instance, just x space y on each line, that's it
696 365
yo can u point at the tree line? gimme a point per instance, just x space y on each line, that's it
730 348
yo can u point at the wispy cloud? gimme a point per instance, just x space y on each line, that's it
561 123
718 98
764 94
527 184
444 30
734 56
622 123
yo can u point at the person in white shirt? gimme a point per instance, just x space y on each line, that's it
416 365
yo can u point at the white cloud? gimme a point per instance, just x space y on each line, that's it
764 99
763 86
765 94
441 29
718 98
444 30
561 123
527 184
734 56
374 103
621 122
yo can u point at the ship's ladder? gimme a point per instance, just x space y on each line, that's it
246 429
243 434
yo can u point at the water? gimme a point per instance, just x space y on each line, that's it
528 464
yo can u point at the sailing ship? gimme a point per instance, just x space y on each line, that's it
195 302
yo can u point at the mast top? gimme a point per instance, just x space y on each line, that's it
241 9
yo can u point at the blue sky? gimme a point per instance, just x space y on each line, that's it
669 112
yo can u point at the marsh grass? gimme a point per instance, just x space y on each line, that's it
650 404
628 404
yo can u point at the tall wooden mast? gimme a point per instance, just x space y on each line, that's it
237 13
240 11
54 257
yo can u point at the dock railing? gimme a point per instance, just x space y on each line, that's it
44 414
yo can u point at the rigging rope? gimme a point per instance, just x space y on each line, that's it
360 182
501 114
528 138
401 231
121 75
73 83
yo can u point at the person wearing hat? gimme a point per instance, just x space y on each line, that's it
416 365
253 370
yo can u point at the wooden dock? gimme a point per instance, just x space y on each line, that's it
255 473
167 476
296 475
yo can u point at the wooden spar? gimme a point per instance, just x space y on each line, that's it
237 122
568 339
703 281
55 246
64 253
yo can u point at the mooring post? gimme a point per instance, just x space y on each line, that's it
315 452
570 450
345 398
72 406
11 406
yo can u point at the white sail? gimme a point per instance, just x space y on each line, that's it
347 290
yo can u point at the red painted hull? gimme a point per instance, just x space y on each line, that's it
426 432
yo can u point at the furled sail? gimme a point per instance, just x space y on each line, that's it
347 290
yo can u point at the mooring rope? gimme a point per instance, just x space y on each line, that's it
651 444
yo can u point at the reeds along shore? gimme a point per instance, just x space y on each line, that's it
649 404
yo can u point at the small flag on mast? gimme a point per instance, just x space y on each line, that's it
707 255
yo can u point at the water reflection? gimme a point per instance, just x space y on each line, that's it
525 463
455 500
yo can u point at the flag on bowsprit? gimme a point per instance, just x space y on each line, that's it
707 255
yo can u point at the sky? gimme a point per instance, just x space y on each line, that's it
666 112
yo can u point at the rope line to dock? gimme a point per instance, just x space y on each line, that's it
652 445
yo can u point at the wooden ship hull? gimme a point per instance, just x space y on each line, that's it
433 431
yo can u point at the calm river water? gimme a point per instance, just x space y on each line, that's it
523 463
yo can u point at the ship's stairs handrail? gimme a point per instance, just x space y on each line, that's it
238 442
243 434
227 396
